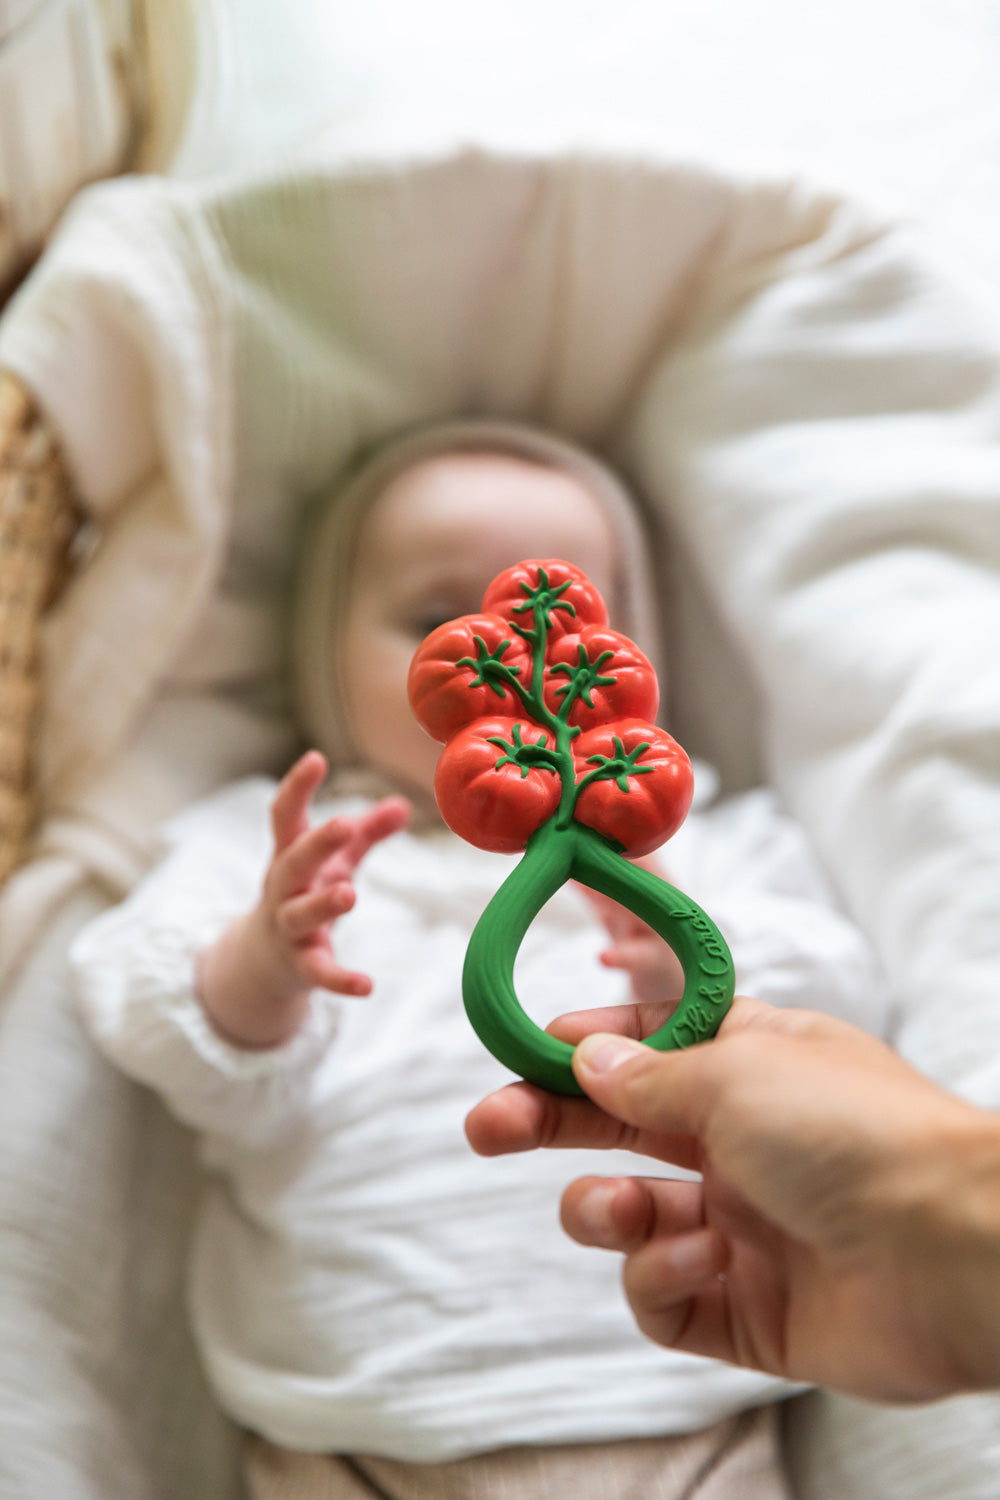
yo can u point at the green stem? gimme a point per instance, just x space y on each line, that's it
555 723
554 855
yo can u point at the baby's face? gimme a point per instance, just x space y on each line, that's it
427 549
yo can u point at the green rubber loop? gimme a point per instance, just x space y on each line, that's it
576 852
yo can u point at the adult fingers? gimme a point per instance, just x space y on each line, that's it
623 1213
676 1092
641 1019
521 1117
663 1093
676 1288
635 1020
674 1262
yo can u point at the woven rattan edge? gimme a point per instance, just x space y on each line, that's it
39 517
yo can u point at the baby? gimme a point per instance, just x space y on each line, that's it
385 1313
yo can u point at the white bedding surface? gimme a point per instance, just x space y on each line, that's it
893 99
811 402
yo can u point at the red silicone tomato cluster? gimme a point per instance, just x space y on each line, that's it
544 709
490 802
658 796
579 602
632 693
442 696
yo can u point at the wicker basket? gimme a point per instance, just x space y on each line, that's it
38 519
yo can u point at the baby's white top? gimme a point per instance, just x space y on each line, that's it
360 1281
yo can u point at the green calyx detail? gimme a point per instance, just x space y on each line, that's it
554 855
618 767
583 678
542 600
491 671
517 753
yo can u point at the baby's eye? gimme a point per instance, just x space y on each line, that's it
428 614
421 625
419 616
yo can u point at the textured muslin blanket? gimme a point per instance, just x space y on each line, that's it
808 405
439 1310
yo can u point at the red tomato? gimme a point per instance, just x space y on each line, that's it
511 588
656 802
634 694
495 807
441 694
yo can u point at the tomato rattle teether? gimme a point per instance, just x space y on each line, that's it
545 714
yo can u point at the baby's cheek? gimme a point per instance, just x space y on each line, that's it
382 726
375 680
406 752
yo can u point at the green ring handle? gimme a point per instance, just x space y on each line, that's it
576 852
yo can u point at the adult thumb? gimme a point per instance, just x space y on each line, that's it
668 1093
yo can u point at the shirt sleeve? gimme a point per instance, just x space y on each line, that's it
134 971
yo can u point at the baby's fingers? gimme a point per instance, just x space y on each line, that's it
655 970
618 921
301 916
296 867
318 968
290 808
379 822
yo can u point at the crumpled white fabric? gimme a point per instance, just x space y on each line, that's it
808 402
360 1343
356 1344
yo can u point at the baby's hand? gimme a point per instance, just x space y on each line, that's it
254 983
653 967
308 885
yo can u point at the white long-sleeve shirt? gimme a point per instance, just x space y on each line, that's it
360 1280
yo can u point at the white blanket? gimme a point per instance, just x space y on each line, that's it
809 405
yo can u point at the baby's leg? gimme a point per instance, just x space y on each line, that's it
739 1456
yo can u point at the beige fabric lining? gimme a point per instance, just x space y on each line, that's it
736 1459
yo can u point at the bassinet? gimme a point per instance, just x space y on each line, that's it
811 409
38 517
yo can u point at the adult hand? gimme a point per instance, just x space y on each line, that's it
846 1230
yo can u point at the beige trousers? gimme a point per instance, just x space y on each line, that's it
737 1459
